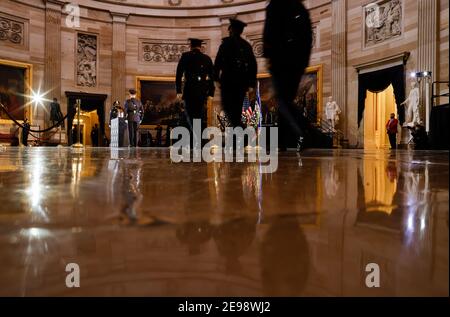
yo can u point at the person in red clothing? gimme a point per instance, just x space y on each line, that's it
391 127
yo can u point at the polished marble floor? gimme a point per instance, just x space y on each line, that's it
138 224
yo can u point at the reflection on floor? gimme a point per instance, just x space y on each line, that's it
138 224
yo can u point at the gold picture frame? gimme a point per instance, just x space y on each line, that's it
169 79
312 71
28 84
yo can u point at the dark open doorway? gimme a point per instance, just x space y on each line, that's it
89 103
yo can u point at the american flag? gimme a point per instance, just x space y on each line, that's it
247 112
258 105
250 116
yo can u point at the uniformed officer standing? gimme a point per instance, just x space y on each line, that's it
235 68
287 46
197 69
55 113
116 111
134 112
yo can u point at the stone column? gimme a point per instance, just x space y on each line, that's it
118 74
427 36
427 54
339 59
52 68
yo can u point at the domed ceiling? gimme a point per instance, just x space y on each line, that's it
177 8
185 4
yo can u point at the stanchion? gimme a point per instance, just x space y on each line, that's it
78 145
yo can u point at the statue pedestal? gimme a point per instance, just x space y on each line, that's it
406 139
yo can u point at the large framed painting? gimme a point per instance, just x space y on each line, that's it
309 96
15 85
158 95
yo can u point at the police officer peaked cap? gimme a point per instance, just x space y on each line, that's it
132 92
238 24
195 42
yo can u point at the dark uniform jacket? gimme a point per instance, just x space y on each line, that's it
134 110
287 34
197 69
236 63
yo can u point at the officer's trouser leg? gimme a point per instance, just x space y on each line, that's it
195 106
132 130
232 101
286 86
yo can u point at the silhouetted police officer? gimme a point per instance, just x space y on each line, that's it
134 112
25 131
287 46
197 69
235 68
55 113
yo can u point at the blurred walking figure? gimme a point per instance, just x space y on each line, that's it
287 46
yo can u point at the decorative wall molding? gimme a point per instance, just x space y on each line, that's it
164 51
174 2
257 43
119 17
86 60
13 30
383 63
382 22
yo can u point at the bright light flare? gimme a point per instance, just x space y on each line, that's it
37 98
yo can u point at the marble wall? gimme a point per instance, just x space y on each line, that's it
123 27
443 42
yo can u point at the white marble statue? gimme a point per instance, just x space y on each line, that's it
332 112
412 109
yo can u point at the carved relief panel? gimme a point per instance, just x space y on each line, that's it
383 21
86 60
164 51
13 30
